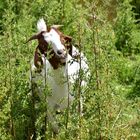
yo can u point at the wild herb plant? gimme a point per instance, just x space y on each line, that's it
112 50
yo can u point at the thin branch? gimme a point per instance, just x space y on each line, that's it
117 117
68 107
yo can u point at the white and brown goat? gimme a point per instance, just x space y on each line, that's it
54 64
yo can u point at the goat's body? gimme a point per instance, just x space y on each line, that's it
59 80
56 64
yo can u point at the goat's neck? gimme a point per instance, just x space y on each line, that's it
60 74
55 62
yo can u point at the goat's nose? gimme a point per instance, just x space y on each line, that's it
60 52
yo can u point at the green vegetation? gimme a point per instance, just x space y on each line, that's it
111 42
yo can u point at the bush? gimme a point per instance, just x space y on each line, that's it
108 114
125 29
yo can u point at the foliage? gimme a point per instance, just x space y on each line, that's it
125 29
112 50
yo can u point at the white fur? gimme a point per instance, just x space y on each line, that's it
58 81
53 38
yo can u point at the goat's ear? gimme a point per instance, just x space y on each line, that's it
32 38
36 36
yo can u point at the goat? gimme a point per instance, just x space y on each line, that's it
55 64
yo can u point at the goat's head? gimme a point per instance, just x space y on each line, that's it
53 42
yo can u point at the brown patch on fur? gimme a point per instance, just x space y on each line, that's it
67 41
43 45
54 61
42 48
38 62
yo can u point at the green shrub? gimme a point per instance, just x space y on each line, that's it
107 113
125 29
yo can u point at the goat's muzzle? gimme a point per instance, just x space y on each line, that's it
61 55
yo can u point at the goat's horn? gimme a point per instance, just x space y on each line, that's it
56 26
32 38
